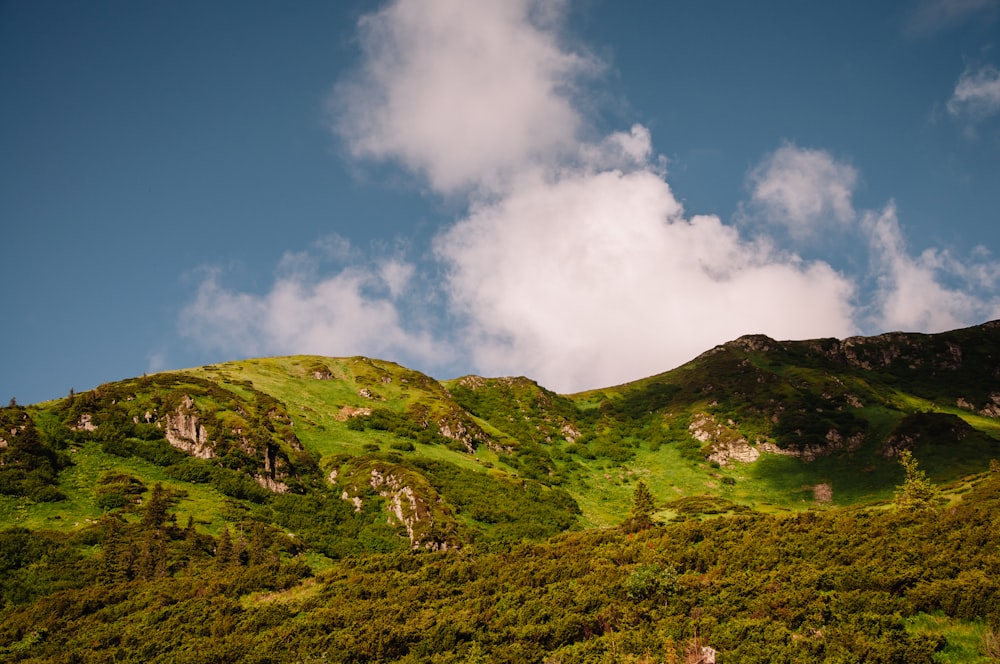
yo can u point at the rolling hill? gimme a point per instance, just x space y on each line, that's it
299 464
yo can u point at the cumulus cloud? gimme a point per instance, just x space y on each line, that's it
353 311
977 94
598 277
931 292
463 93
802 190
574 262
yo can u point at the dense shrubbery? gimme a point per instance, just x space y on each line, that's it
831 586
29 464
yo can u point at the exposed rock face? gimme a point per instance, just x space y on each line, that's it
726 443
570 433
405 508
990 409
185 432
458 428
740 451
835 442
271 484
85 423
271 478
408 505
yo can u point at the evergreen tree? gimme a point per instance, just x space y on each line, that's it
155 514
916 492
118 556
224 549
643 506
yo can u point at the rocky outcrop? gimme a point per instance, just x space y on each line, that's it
835 442
916 428
990 409
411 504
184 431
727 445
725 442
85 423
465 431
271 484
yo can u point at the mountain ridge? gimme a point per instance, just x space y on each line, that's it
818 409
352 509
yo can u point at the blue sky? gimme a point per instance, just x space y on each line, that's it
582 192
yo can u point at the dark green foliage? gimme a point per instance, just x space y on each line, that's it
508 510
116 490
29 465
651 581
831 586
158 452
643 505
520 407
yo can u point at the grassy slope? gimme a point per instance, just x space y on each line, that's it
627 432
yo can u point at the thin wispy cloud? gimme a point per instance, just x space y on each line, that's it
932 16
977 94
573 261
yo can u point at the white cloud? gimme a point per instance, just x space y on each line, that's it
575 264
597 278
463 93
802 190
914 294
977 94
354 311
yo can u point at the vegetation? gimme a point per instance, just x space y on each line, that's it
763 502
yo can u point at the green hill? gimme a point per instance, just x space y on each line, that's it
274 484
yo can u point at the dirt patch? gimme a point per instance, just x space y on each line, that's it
823 493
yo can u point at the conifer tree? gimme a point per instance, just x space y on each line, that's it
118 555
916 492
155 513
224 549
643 506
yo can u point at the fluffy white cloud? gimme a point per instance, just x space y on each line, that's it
802 190
977 94
597 277
461 92
354 311
574 264
931 292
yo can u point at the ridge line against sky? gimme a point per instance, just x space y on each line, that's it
504 204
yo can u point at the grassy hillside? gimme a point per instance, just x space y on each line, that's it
292 476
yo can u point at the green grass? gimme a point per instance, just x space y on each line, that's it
202 502
965 639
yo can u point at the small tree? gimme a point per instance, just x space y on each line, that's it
224 549
916 492
643 506
155 513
